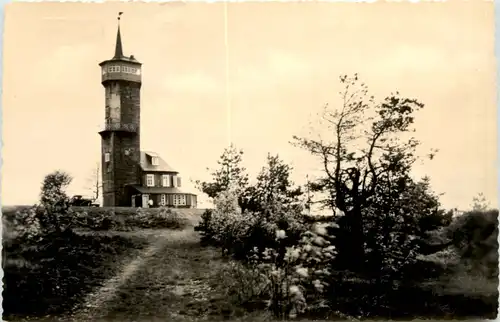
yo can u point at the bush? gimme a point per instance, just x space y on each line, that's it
244 285
126 219
238 233
297 275
288 255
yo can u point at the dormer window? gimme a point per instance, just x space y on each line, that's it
155 161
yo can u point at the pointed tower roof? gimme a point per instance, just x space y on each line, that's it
118 47
119 56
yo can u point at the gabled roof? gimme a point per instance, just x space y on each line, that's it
146 164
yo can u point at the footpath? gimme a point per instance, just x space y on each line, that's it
171 280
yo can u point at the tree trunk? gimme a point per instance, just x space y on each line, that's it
357 240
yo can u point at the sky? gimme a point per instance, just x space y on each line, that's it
254 74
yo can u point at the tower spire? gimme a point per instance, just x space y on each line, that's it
118 47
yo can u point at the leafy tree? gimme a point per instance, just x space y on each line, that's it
273 186
396 227
366 161
230 173
54 200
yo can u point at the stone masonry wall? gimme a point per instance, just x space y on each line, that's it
124 148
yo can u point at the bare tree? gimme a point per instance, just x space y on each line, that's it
94 181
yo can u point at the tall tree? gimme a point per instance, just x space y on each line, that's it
230 173
273 186
366 158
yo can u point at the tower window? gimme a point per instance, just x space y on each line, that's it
113 69
150 180
155 161
107 157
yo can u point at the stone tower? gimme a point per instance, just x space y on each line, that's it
120 137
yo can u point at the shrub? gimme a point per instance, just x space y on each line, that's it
297 275
164 218
244 285
205 228
238 233
285 255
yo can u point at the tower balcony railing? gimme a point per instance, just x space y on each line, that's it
124 127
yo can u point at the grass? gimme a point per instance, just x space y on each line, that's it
183 281
176 284
50 277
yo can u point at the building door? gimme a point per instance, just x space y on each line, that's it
145 200
133 201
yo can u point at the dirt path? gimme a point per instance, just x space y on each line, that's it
172 280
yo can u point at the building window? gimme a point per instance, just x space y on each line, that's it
163 200
154 161
166 180
107 157
179 182
174 181
150 180
179 200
